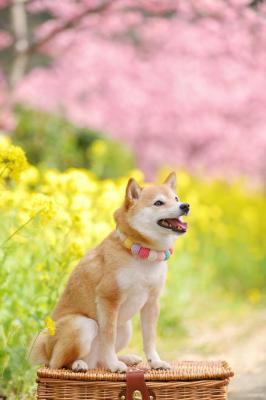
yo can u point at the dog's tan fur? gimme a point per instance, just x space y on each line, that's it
107 287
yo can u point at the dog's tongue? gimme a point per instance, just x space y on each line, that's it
175 222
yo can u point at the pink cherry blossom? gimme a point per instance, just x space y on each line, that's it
180 82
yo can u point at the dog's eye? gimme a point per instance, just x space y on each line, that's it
158 203
176 198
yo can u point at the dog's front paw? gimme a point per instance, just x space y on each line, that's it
117 366
159 364
79 365
130 359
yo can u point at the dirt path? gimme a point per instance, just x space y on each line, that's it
247 356
249 386
243 345
249 360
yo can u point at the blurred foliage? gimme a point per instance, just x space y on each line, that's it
49 219
53 142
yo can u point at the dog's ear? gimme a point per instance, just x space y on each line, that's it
171 181
133 191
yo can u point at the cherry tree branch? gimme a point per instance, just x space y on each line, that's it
19 24
71 23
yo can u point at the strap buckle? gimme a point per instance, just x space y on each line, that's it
136 388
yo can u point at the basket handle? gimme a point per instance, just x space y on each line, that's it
136 388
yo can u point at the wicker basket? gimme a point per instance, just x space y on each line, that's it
189 380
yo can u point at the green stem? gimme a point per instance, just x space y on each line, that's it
32 344
19 229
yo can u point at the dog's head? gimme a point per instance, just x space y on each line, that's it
153 212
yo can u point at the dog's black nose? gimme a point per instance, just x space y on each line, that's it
184 207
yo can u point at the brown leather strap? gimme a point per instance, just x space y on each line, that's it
136 381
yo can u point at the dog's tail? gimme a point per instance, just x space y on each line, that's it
37 353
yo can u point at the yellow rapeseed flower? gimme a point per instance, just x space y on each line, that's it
30 176
50 325
138 175
183 180
42 205
98 148
76 249
254 295
12 161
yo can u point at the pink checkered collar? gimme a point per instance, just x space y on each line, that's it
143 252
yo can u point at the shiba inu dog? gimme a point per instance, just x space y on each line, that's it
120 277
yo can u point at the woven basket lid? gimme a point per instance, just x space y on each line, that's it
180 371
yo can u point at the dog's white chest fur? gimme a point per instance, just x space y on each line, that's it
136 280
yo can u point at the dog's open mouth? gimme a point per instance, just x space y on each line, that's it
175 224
